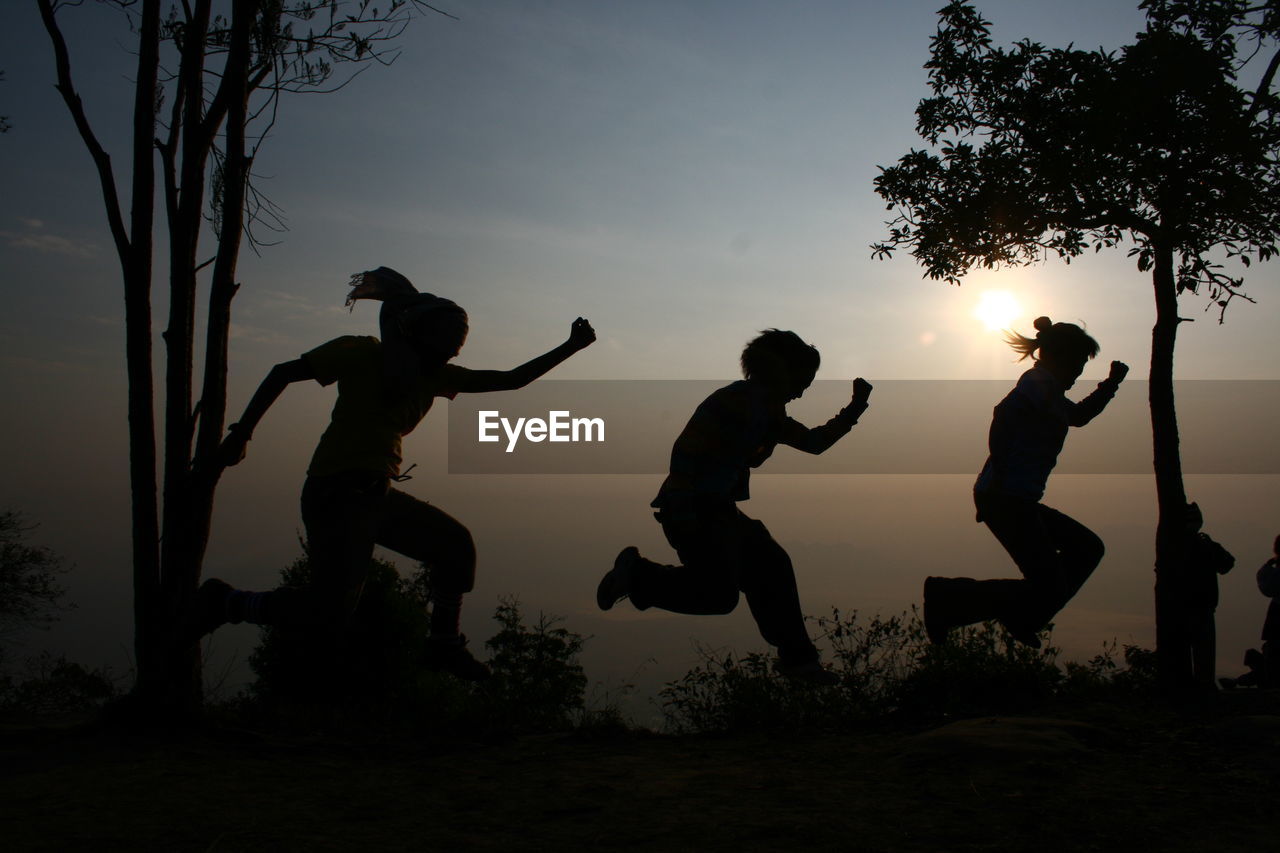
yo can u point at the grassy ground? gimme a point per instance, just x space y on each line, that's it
1096 778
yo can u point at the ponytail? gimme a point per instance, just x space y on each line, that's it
1052 340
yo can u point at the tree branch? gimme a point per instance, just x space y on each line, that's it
101 159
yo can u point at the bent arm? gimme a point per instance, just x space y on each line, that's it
820 439
1090 407
479 381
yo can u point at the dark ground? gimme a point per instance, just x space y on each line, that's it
1098 778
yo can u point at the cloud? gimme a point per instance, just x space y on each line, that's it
51 244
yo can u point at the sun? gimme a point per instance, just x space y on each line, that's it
997 309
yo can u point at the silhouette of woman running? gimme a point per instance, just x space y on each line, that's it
1054 552
385 387
722 550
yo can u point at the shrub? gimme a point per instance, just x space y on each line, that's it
537 681
378 662
887 667
55 687
378 671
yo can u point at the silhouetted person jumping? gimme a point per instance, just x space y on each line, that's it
1054 552
1264 666
722 550
385 387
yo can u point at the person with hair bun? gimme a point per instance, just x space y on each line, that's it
722 551
1054 552
385 388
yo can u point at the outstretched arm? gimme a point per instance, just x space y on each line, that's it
282 375
581 336
819 439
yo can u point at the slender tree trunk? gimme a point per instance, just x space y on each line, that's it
1172 655
192 519
137 275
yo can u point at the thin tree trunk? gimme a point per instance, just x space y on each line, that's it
1172 658
201 477
138 269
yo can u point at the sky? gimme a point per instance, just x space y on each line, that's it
683 175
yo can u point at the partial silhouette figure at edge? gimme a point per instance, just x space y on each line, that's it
1054 552
1191 595
1264 665
722 550
385 388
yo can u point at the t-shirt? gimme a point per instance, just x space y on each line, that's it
1028 429
368 419
732 431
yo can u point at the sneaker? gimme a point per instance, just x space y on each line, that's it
808 671
210 609
616 583
453 656
937 616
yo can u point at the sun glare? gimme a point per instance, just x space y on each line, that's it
997 309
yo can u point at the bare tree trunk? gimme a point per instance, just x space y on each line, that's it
1172 658
200 473
142 439
134 251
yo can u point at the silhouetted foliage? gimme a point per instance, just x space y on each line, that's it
888 669
537 682
380 660
30 595
1059 151
1038 152
54 686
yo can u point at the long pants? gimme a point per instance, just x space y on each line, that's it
724 553
345 516
1054 552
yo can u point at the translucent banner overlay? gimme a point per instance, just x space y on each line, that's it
912 427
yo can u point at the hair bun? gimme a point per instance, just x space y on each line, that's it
1043 324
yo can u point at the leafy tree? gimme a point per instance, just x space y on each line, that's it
1036 152
30 594
210 76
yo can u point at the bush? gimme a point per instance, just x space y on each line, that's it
888 668
378 672
30 595
55 687
537 681
379 660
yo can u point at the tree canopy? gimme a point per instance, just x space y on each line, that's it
1039 151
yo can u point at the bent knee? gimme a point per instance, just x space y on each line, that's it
723 603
